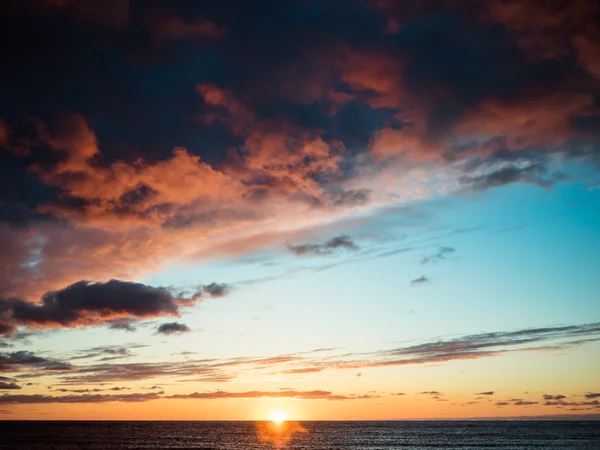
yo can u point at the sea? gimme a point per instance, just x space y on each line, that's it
426 435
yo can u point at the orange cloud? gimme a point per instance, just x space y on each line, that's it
539 121
551 29
377 76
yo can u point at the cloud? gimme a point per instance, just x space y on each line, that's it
125 324
85 398
516 402
441 255
591 395
421 280
91 304
291 133
20 360
302 395
106 372
88 390
216 290
328 247
532 174
107 352
139 397
553 397
176 28
485 393
593 404
100 370
4 385
173 328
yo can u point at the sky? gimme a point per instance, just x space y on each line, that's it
360 210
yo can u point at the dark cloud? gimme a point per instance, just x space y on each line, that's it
516 402
15 361
4 385
121 372
89 390
485 393
216 290
421 280
107 353
531 174
328 247
441 255
84 398
125 324
173 328
553 397
293 111
88 304
138 397
592 404
353 197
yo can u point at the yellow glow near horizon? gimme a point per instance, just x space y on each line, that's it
277 416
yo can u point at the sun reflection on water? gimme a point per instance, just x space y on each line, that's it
278 433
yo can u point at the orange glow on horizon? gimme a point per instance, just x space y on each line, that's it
277 417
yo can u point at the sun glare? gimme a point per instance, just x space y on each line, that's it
277 417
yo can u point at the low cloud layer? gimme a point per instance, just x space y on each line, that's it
109 364
302 395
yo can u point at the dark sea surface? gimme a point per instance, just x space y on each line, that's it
305 435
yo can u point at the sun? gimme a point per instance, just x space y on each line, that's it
277 416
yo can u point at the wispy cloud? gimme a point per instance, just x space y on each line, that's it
22 360
469 347
303 395
86 398
326 248
442 254
418 281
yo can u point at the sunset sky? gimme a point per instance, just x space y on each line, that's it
359 209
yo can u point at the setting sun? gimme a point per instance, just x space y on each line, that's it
277 416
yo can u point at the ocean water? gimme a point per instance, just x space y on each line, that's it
306 435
